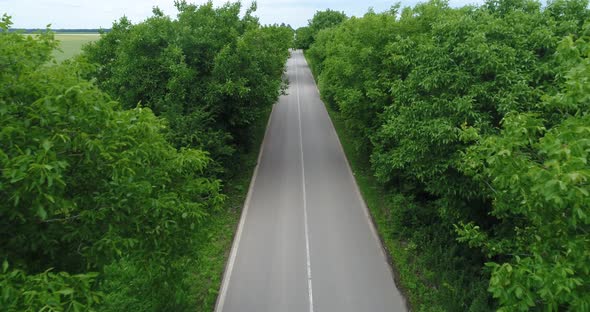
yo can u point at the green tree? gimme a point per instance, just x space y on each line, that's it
303 38
537 175
432 93
88 186
324 20
306 36
210 72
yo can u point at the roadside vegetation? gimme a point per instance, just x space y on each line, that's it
123 169
117 165
468 132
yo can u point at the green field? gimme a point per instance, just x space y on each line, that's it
71 44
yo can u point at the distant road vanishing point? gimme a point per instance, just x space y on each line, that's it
305 241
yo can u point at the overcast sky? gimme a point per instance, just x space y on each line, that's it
101 13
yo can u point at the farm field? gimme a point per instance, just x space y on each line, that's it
71 44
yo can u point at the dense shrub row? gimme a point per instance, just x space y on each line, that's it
476 121
305 36
112 163
210 72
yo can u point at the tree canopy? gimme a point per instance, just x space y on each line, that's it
305 36
475 119
112 163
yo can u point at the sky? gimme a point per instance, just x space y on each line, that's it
101 13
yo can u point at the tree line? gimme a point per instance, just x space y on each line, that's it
114 162
475 122
61 31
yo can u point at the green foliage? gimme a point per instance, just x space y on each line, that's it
246 78
326 19
303 38
306 36
210 73
106 204
435 274
348 61
47 291
477 116
538 176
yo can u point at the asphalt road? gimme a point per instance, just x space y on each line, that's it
305 242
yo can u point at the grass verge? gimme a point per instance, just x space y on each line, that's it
375 198
206 279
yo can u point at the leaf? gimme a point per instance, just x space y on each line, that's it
41 212
66 291
46 145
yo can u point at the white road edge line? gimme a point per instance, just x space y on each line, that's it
234 250
357 189
309 287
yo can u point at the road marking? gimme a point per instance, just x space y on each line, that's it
309 287
236 243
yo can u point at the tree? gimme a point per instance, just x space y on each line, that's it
303 38
538 182
460 113
211 73
325 19
306 36
88 186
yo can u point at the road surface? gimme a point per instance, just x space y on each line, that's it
305 242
